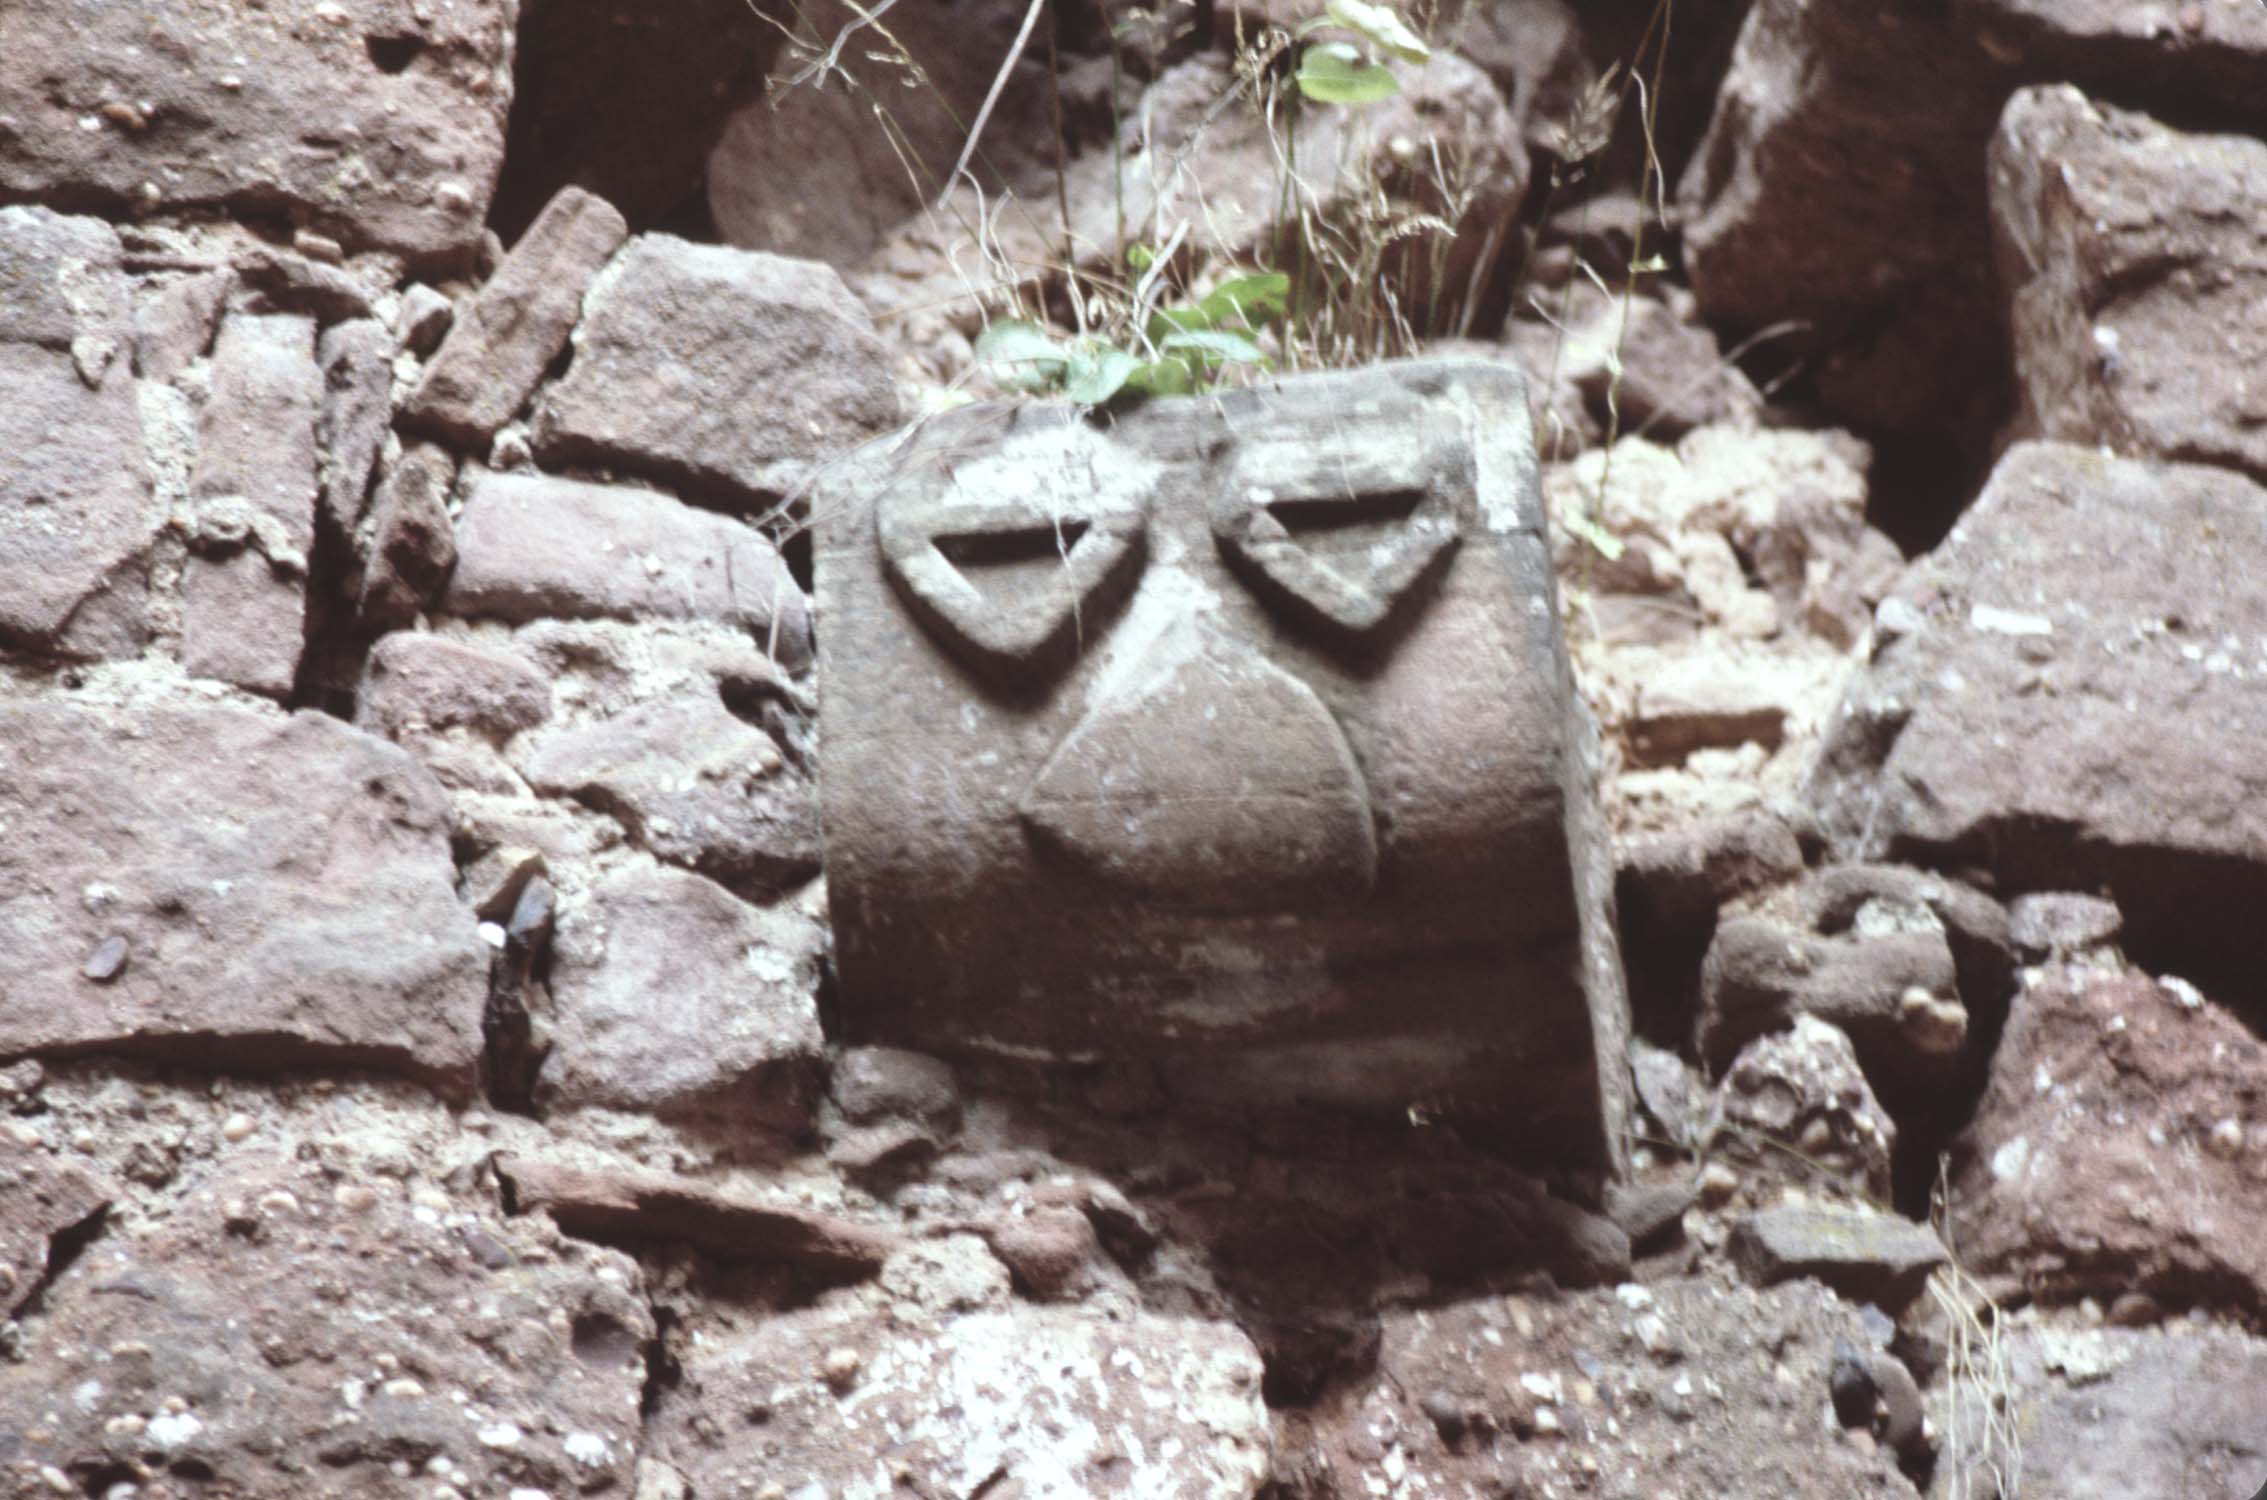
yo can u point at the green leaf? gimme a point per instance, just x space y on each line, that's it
1216 346
1167 321
1140 257
1023 355
1380 25
1252 300
1097 375
1607 544
1162 377
1337 73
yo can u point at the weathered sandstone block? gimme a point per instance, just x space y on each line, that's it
378 121
1235 732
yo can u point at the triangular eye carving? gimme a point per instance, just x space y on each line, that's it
1346 553
1008 586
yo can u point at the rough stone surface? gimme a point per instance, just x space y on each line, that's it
175 318
75 487
696 785
499 348
2137 286
415 683
645 1208
2119 1144
284 1337
1864 1255
2104 1413
357 357
2060 923
279 281
1682 1387
283 886
1715 642
531 547
378 122
255 489
733 371
2196 59
1838 185
2068 692
1051 1403
41 1200
1795 1104
1186 746
412 542
674 997
801 172
242 623
1761 973
1664 371
61 287
1181 157
425 319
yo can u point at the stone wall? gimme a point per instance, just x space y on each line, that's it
423 1064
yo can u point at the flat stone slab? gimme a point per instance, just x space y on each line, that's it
1864 1255
532 547
1235 732
731 371
378 121
673 997
231 887
602 1204
75 510
2071 692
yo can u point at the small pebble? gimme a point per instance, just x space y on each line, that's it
237 1126
317 247
2135 1310
841 1368
1718 1184
424 320
355 1197
108 960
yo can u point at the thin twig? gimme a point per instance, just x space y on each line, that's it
999 86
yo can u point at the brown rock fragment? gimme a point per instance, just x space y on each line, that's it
283 885
2137 291
605 1204
416 683
676 998
1864 1255
729 370
531 547
194 107
413 545
498 349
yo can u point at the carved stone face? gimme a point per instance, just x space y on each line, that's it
1233 732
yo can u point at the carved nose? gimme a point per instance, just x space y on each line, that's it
1207 776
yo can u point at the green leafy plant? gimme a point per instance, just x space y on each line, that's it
1176 349
1339 72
